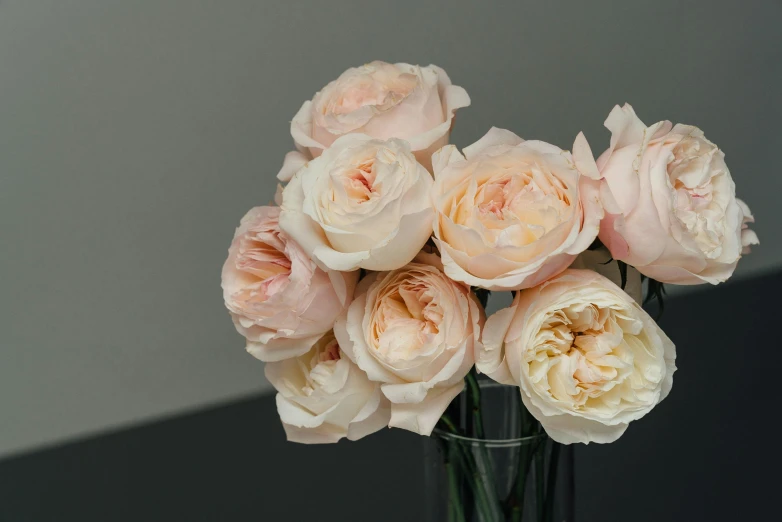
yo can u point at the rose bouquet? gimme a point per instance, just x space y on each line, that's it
364 291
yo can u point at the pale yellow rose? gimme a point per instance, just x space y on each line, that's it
587 358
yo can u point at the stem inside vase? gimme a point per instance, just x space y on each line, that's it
489 460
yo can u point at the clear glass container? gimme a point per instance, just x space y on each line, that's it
500 466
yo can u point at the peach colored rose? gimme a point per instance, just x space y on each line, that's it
512 213
671 207
587 358
414 331
364 203
382 100
322 396
279 300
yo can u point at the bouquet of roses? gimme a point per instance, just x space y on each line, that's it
364 290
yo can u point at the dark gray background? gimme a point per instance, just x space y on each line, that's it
134 135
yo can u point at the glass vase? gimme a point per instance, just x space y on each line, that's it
489 461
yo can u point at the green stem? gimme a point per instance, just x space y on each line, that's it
455 513
481 498
552 481
475 393
525 458
468 414
445 419
532 452
540 456
465 458
528 426
484 465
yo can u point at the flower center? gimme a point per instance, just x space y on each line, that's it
516 208
330 353
322 364
261 257
582 352
407 317
699 181
358 182
377 85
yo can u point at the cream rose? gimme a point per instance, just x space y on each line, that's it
586 357
670 201
364 203
383 100
322 396
512 213
279 300
414 331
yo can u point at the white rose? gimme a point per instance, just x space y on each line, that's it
512 213
414 331
324 397
382 100
587 358
364 203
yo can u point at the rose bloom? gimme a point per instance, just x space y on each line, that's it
278 298
586 357
512 213
322 396
671 207
382 100
414 331
364 203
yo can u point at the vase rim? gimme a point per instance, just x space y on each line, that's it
486 384
490 443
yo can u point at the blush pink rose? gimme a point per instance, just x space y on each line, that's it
382 100
671 206
280 301
510 213
414 331
322 396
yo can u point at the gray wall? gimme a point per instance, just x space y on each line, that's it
134 135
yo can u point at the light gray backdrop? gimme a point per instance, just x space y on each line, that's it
134 135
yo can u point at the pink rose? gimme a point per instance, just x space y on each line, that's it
414 331
512 213
322 396
671 207
382 100
278 298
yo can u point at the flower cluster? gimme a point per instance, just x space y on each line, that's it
359 289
